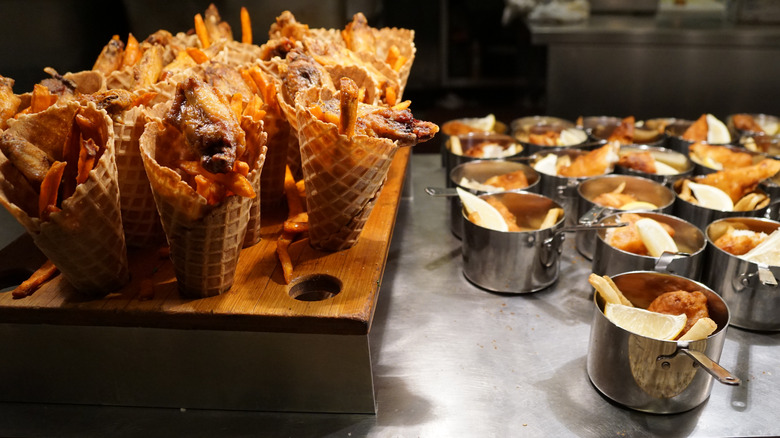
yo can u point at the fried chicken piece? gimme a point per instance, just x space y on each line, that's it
627 238
218 30
226 80
509 218
727 158
692 304
509 181
739 242
639 161
613 200
746 122
110 58
358 35
547 137
287 27
209 127
595 162
277 47
9 102
31 161
113 101
384 122
739 182
302 73
624 132
698 130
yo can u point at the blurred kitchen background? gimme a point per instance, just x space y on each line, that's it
512 58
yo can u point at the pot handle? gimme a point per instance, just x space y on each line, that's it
672 262
592 215
441 191
718 372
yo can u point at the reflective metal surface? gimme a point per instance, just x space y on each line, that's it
452 360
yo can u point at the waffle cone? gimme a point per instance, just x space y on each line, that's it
256 139
343 177
84 240
205 240
139 212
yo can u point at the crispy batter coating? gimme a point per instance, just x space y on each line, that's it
692 304
739 242
728 159
739 182
698 130
639 161
509 181
595 162
746 122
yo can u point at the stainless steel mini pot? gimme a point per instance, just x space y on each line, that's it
514 262
469 141
480 171
589 212
651 375
608 260
562 189
703 216
750 289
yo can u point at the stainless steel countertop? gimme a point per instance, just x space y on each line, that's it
450 359
657 30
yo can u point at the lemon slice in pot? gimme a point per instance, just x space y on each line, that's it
486 123
656 239
717 132
662 168
489 217
547 165
638 205
711 197
644 322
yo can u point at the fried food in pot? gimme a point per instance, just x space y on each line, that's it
692 304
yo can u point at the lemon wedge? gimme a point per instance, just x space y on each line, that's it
547 165
486 123
571 136
489 217
717 132
702 328
662 168
711 197
454 144
638 205
644 322
656 239
767 251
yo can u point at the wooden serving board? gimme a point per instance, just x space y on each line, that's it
259 299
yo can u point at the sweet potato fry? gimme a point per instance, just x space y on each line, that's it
87 155
46 272
282 251
237 105
145 99
246 26
241 167
41 98
132 51
296 227
402 106
294 204
49 188
233 181
197 55
349 104
247 77
146 290
201 31
390 96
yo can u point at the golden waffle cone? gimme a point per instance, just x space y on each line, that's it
139 212
256 138
85 240
234 53
343 177
403 39
363 79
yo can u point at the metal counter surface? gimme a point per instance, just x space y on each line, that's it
450 360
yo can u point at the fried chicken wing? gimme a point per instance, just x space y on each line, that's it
357 34
302 73
692 304
110 57
9 102
739 182
639 161
31 161
208 125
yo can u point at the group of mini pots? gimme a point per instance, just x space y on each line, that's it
668 376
